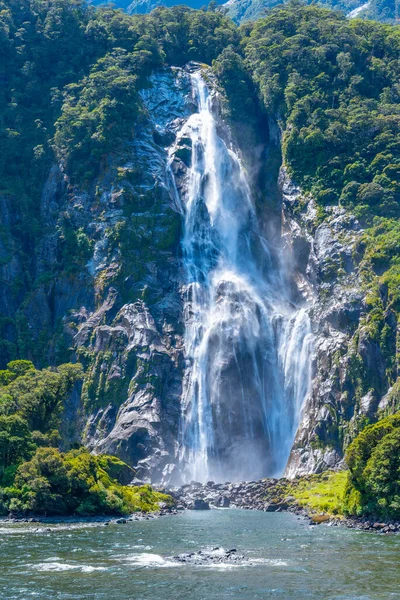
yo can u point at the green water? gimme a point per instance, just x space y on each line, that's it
290 560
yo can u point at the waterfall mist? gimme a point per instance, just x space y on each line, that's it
247 346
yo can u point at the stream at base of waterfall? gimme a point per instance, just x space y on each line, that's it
278 556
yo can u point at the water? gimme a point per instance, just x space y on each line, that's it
247 345
293 561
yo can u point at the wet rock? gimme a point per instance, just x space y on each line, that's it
210 556
200 504
276 507
222 502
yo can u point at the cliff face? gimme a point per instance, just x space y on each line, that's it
350 373
132 340
116 304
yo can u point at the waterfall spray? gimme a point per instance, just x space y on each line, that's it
247 347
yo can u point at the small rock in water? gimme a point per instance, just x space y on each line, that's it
210 556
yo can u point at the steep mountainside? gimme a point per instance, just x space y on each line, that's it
379 10
386 11
146 6
91 221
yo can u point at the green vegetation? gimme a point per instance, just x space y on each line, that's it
37 396
371 486
334 85
244 10
35 477
84 103
250 10
75 483
332 82
387 11
374 462
318 494
322 493
31 406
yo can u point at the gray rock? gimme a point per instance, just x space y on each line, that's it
200 504
210 556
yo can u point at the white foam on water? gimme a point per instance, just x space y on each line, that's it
273 562
226 566
61 566
146 559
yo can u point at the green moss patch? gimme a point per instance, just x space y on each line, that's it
322 493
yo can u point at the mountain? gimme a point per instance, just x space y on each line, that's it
379 10
386 11
206 322
249 10
146 6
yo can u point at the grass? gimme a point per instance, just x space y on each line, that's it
323 493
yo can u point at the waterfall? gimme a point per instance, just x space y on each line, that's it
247 346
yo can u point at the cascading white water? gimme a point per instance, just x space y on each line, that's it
247 347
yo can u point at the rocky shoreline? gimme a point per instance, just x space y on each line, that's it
101 519
268 495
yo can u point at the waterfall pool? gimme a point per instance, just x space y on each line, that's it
288 560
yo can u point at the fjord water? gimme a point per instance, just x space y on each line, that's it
248 346
290 560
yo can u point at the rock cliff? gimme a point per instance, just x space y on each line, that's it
350 372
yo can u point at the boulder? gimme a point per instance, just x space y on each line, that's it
317 519
222 502
276 507
200 504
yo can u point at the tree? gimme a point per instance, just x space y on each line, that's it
16 445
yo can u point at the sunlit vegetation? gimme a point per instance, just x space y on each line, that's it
35 477
323 493
76 483
374 461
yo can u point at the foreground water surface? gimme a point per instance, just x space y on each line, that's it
290 560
